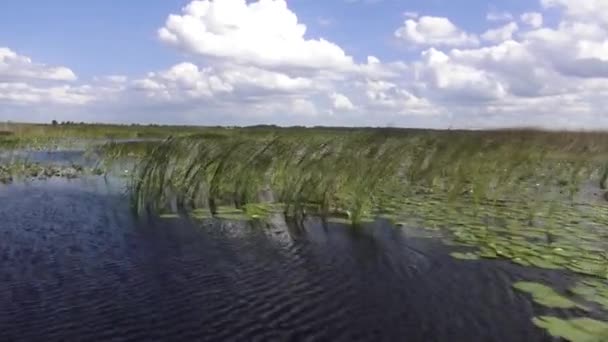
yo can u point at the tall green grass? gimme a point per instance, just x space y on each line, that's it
355 171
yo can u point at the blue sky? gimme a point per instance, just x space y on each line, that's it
92 37
437 63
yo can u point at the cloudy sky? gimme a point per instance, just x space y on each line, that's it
416 63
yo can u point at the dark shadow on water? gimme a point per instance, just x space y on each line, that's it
75 265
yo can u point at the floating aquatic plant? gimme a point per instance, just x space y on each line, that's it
464 256
545 295
593 291
574 330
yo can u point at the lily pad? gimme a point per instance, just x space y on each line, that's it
575 330
464 256
593 291
169 216
545 295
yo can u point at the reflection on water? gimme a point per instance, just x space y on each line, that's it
75 264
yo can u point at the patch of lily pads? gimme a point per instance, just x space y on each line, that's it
546 296
572 237
464 256
36 171
593 291
574 330
577 329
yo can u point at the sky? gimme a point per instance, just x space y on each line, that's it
398 63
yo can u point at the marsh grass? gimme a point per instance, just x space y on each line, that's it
355 171
508 194
47 137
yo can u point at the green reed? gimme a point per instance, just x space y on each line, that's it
351 171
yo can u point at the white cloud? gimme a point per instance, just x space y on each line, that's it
411 14
187 80
501 34
573 48
115 78
14 66
445 79
265 33
388 96
533 19
499 16
583 10
252 62
434 31
184 80
26 83
341 102
22 93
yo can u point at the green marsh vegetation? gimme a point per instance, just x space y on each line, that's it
59 135
98 140
534 198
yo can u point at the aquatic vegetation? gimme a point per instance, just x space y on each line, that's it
578 243
40 137
593 291
93 131
575 330
23 170
169 216
546 296
464 256
517 195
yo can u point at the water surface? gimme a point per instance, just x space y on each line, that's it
76 265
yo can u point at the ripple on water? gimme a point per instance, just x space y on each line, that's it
75 265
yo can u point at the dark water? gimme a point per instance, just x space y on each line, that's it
75 265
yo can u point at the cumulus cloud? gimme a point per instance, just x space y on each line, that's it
573 48
264 33
499 16
391 97
437 31
250 62
14 66
533 19
115 78
501 34
444 79
22 93
184 80
519 73
187 80
582 10
341 102
27 83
